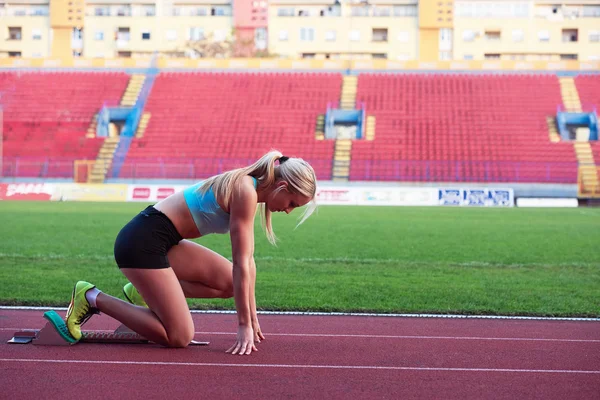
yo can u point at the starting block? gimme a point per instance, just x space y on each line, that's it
56 333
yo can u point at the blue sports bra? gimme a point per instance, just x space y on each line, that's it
207 214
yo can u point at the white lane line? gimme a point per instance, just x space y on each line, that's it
351 314
359 336
410 337
305 366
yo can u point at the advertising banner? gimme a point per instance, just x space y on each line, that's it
27 191
151 193
92 192
476 197
376 196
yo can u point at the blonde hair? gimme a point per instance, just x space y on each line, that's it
299 175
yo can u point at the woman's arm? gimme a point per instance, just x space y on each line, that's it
258 335
242 210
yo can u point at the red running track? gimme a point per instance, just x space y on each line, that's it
317 357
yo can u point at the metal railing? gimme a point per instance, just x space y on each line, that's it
360 170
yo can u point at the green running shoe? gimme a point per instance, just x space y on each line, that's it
133 296
79 310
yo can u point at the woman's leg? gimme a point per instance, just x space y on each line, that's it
167 321
196 272
202 273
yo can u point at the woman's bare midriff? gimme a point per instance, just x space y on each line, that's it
178 212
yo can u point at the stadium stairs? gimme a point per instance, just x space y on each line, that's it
588 171
343 147
106 154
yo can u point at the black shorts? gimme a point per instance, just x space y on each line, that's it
145 241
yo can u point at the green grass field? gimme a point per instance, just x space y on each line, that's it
542 262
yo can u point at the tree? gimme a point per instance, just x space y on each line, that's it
208 47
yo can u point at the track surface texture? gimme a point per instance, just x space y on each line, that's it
316 357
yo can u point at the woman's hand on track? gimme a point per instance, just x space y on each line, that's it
258 335
244 343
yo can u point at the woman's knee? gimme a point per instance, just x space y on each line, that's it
180 337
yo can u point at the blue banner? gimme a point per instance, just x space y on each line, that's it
476 197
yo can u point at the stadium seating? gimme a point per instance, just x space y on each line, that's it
199 118
46 117
429 127
459 127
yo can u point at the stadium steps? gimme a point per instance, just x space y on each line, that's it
104 159
349 88
320 127
132 92
572 102
552 132
370 128
341 160
91 131
569 94
588 172
144 121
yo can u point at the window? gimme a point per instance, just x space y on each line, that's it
492 36
36 34
594 36
196 33
124 54
307 34
124 11
381 11
492 56
568 56
591 11
380 34
123 34
518 36
445 55
468 57
569 35
37 11
544 36
445 39
360 11
260 38
330 36
468 36
14 54
283 36
221 11
101 11
14 33
285 12
98 35
405 11
145 35
200 11
355 35
379 56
